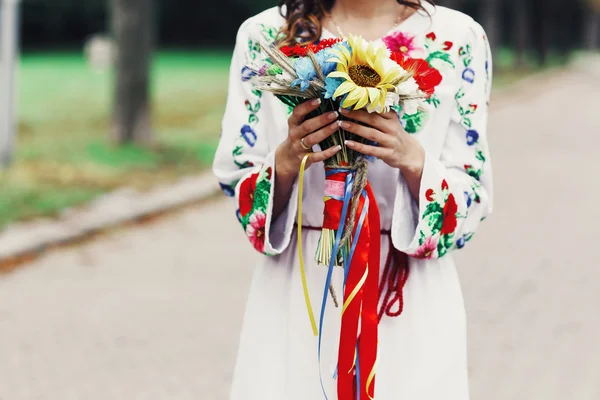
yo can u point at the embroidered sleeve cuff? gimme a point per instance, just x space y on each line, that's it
279 231
425 230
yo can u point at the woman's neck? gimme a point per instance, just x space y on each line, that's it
371 19
361 9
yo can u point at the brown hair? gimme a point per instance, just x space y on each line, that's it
303 19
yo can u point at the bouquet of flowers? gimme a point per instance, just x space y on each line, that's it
354 74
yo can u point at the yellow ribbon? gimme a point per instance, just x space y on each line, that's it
313 322
371 377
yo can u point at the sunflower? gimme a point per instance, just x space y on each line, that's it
367 73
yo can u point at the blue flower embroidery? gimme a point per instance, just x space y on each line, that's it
472 137
238 215
468 75
460 243
468 199
228 190
247 74
249 135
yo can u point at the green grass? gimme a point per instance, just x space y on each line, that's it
64 153
64 156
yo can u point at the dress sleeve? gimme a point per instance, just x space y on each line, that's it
456 189
245 159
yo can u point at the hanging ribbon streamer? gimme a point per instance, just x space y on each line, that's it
357 355
309 308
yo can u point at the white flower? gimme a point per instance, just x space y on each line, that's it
408 87
391 99
411 107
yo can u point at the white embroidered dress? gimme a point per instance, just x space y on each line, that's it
422 353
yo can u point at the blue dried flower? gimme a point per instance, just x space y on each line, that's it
331 85
306 72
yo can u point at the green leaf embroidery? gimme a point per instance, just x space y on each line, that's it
440 55
261 195
434 101
269 32
479 155
415 122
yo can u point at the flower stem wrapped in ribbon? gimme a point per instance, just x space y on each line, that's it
349 73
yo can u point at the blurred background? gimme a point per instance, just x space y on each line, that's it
67 151
110 96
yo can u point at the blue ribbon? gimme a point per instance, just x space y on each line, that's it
347 198
359 227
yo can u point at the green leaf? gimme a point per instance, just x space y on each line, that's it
252 119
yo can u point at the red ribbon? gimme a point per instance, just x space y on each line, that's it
360 308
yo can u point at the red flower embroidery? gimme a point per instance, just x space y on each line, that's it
429 194
426 77
256 230
450 210
431 36
246 197
427 250
444 185
400 42
269 173
468 167
448 45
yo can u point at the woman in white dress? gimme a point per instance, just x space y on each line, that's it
430 173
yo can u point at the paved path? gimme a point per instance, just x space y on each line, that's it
154 312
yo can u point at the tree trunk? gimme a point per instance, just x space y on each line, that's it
521 13
490 22
542 29
133 29
592 30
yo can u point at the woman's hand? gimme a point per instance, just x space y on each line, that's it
395 146
303 135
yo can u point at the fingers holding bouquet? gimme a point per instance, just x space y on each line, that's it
390 142
305 133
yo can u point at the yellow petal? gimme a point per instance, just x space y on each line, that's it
373 94
339 74
344 88
364 100
356 95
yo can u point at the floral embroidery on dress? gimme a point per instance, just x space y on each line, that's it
248 135
438 52
253 203
441 215
402 43
438 56
467 111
